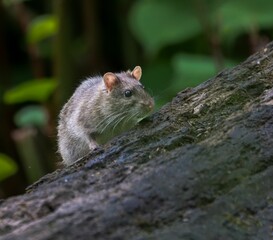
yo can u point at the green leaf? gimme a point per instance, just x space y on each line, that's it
7 166
31 116
41 28
191 70
236 17
157 24
35 90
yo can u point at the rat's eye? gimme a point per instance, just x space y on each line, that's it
128 93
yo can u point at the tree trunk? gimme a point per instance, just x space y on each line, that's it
200 168
64 62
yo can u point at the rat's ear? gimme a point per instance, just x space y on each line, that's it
110 80
137 72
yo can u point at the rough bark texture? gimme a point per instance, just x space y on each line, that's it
200 168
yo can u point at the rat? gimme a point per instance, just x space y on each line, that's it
101 108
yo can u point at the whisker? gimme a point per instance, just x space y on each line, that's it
113 120
130 117
106 121
117 122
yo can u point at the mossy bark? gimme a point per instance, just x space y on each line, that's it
199 168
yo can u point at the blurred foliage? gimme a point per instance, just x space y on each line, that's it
31 115
41 28
237 17
7 166
11 2
38 90
193 67
160 23
214 25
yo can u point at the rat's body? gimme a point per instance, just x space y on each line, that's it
101 108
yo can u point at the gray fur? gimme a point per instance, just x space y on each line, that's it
94 115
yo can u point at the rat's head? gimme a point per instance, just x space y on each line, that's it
127 95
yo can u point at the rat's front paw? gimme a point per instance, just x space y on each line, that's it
93 146
98 149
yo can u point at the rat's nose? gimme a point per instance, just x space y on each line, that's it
148 105
151 104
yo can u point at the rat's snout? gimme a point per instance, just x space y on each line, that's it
148 105
151 104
